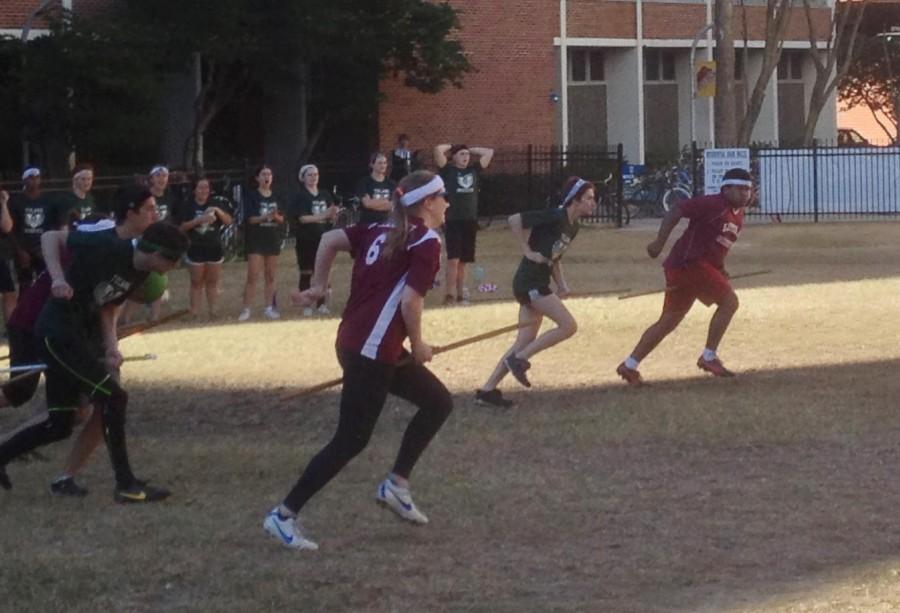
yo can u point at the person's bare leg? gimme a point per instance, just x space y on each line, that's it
550 306
198 274
213 272
254 268
718 325
452 269
271 270
655 334
90 437
523 338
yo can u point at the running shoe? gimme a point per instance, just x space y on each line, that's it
140 493
244 315
66 486
288 531
323 309
272 313
714 367
399 500
518 367
631 375
492 398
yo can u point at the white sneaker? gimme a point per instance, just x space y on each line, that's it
398 500
308 312
324 310
272 313
288 531
245 315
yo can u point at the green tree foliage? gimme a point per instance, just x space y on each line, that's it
83 87
337 49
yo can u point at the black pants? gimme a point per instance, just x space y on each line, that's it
305 248
366 386
73 369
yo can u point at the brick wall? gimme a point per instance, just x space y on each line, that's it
589 18
506 103
13 13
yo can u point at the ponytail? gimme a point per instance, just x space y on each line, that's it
399 218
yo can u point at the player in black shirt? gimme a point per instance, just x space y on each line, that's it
552 231
375 191
105 269
264 221
312 214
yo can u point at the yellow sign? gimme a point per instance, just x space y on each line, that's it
705 78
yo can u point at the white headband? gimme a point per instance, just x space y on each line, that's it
420 193
81 173
305 169
158 169
578 185
739 182
30 172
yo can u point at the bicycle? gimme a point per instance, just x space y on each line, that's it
607 207
680 187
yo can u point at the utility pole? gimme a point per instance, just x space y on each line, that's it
726 122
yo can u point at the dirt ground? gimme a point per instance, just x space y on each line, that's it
776 491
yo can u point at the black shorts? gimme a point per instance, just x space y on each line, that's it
23 350
205 254
306 249
6 279
74 367
267 244
459 234
525 297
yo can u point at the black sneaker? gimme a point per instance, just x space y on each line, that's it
518 367
493 398
67 487
140 494
5 483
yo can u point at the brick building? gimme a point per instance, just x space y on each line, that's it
627 77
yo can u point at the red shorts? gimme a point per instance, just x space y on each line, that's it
699 281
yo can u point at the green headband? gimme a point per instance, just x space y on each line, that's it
148 247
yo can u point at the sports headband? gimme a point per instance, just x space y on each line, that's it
578 185
305 169
30 172
738 182
434 186
158 170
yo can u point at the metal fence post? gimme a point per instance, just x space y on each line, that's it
620 164
815 158
695 169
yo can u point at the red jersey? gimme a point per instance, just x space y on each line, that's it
714 227
33 299
372 324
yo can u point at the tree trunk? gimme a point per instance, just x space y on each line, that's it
726 127
776 24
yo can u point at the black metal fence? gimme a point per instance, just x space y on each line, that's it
532 177
822 181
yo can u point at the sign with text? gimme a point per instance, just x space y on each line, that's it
716 162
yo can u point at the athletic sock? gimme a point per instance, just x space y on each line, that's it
284 512
709 355
631 363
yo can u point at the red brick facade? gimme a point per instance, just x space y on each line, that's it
511 44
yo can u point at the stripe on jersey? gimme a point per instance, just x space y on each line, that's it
370 348
431 234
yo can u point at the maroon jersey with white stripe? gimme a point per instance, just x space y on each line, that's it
714 227
372 324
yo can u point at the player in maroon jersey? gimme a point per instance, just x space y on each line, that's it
394 265
695 269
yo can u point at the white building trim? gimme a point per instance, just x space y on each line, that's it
676 43
17 32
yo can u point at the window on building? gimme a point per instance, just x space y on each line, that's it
586 65
659 65
790 66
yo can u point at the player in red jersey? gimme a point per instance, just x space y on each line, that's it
695 269
394 265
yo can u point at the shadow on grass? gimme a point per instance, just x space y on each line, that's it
687 495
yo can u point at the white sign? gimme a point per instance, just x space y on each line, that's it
716 162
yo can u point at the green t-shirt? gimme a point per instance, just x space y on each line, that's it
462 186
72 203
551 234
102 272
307 204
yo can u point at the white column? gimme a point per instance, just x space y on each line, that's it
624 86
564 74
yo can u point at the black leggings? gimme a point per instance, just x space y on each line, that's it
366 386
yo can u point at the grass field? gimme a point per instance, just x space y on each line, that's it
775 491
